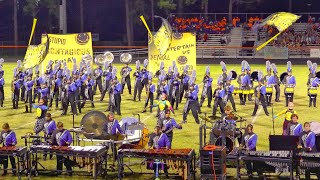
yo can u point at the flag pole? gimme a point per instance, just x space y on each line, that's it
32 30
267 42
146 25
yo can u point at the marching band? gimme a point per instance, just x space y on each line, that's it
79 86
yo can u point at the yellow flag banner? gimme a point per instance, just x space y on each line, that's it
163 36
65 47
281 20
34 55
182 50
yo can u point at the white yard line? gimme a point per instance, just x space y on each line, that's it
143 120
255 117
25 125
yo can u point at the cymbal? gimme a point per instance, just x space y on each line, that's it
92 122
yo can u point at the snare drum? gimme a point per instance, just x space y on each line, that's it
289 90
269 89
312 91
246 91
251 91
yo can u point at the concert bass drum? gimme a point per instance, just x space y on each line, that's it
229 143
137 135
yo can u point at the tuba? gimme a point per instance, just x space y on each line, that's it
125 58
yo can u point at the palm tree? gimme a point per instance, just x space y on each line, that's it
128 23
15 21
81 16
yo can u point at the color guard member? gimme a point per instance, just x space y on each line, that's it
288 113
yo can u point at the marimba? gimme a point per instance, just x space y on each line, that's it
181 160
91 157
20 154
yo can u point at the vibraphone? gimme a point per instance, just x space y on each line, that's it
91 157
309 160
182 160
276 159
21 156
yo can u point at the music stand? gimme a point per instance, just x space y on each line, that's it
283 143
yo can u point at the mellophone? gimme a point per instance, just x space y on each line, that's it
20 153
181 160
91 157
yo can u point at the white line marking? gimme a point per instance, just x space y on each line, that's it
255 117
25 125
143 120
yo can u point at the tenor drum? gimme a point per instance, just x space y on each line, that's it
246 91
289 90
269 89
229 143
312 91
237 91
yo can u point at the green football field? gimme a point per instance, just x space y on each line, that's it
188 137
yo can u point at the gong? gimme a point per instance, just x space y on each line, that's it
92 122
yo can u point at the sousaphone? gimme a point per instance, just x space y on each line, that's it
125 58
109 56
100 59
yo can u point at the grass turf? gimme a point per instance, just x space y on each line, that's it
188 137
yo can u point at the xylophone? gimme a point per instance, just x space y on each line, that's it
20 153
91 157
180 160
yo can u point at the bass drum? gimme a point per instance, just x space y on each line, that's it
254 76
318 74
234 75
282 76
229 143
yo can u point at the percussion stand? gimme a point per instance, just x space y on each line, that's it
272 119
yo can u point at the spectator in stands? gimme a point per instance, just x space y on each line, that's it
223 39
